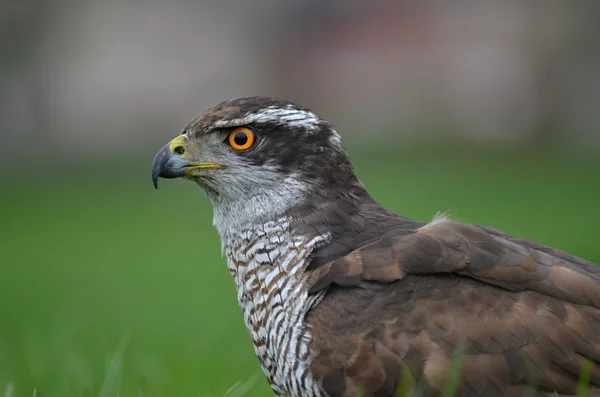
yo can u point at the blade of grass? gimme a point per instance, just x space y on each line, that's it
452 380
9 389
406 384
584 379
115 369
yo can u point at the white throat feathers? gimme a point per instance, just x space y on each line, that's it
237 211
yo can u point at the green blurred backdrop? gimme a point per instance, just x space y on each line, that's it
109 287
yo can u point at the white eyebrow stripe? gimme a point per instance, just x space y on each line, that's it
292 117
289 115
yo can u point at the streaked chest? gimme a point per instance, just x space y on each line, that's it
268 265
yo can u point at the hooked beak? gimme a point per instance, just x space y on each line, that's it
171 162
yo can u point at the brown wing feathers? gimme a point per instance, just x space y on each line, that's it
468 250
525 314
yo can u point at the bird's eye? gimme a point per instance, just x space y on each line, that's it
241 138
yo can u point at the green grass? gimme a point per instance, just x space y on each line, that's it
109 288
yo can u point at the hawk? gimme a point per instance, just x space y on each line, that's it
342 297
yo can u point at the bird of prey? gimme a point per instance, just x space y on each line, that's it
342 297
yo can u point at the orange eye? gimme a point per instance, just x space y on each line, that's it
241 138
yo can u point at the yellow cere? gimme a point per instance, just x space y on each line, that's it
179 141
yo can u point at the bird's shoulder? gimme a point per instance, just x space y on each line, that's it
390 247
407 296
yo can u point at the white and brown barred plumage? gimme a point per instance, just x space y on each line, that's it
268 265
340 295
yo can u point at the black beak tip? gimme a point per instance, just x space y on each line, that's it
158 164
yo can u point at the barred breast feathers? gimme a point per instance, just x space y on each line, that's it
268 265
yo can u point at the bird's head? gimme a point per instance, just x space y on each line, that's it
257 157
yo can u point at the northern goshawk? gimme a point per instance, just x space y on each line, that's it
340 295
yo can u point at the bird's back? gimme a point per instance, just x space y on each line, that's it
422 303
419 331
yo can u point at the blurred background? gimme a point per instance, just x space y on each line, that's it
489 109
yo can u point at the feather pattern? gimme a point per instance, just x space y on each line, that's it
401 305
268 265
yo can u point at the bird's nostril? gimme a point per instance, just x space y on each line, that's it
179 150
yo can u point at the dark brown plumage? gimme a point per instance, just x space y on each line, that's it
341 295
521 313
